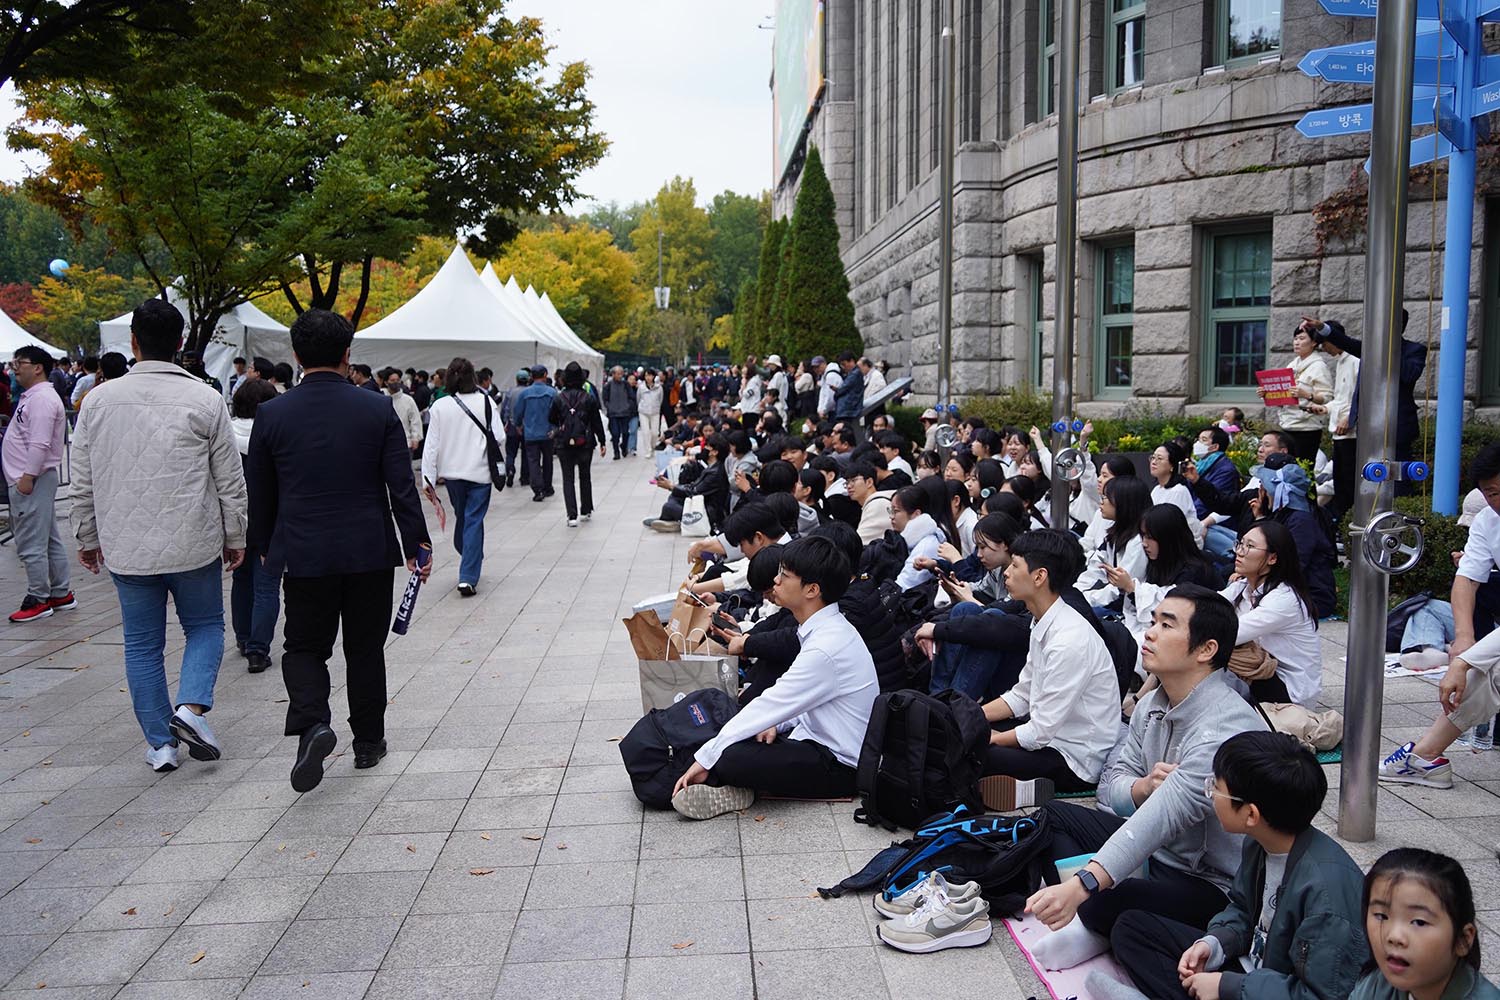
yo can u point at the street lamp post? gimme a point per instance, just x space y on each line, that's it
1067 238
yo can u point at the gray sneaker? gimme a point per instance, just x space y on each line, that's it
192 729
708 801
902 903
938 924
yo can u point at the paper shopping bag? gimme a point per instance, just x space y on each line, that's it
664 682
647 636
688 625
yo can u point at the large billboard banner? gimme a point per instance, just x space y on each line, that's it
797 72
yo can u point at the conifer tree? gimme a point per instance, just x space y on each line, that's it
816 315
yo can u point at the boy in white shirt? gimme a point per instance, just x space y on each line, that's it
802 737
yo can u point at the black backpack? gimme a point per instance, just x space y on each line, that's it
659 748
922 754
574 432
1006 855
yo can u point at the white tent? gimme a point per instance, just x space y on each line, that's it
562 325
456 315
530 304
244 331
13 335
565 351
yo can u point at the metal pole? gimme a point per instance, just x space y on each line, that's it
660 279
1390 149
945 212
1458 252
1067 240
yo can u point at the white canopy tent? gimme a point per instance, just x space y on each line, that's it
513 309
13 336
244 331
457 315
530 304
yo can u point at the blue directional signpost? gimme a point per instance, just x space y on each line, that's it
1455 86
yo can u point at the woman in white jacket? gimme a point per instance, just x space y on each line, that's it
1313 387
455 456
1275 610
648 406
1126 499
921 514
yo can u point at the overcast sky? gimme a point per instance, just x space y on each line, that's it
680 87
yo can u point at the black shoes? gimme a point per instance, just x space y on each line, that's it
368 754
317 743
537 498
511 481
258 662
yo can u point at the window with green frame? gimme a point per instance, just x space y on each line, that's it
1127 47
1046 100
1239 309
1034 318
1114 320
1247 30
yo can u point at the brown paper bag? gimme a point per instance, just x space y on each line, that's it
688 626
647 636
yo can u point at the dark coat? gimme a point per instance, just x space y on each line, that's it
1413 362
328 468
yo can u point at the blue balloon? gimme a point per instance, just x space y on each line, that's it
58 267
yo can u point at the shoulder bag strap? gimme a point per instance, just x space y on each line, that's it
491 447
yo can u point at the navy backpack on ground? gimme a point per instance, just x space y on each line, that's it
659 748
1004 854
923 754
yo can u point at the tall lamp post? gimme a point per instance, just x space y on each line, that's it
1067 238
945 212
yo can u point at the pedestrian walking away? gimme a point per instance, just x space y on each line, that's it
533 408
158 500
329 468
255 596
32 457
575 414
463 424
620 405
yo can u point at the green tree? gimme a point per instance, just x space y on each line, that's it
620 220
774 338
589 280
739 222
66 313
818 316
744 321
687 255
765 286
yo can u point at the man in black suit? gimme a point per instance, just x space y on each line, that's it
329 465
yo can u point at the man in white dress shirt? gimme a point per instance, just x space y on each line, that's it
802 737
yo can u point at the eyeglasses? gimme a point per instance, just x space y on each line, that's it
1210 792
1244 546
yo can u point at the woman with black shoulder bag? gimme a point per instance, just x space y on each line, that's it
463 435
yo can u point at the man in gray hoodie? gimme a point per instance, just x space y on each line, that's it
1154 784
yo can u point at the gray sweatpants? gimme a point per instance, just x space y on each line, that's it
39 544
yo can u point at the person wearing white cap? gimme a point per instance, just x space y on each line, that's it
776 379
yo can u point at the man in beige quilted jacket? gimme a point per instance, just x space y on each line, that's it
159 500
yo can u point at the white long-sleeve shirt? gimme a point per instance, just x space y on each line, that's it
1180 496
923 537
1068 687
826 695
455 446
1345 378
1132 560
1285 630
1482 550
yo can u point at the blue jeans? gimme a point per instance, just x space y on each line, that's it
199 598
635 430
977 672
470 502
254 603
1431 627
1218 542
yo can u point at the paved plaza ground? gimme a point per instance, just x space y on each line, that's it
498 850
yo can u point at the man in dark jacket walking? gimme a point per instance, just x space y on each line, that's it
328 467
849 397
619 406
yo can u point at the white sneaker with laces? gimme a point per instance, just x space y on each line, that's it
1404 766
191 728
163 758
572 522
939 923
909 899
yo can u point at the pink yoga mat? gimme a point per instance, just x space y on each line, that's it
1070 982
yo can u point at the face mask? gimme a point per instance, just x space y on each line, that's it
1199 449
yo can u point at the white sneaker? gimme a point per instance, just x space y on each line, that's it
588 517
572 522
191 728
909 899
162 759
708 801
1406 767
939 923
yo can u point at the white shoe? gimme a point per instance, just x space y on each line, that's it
162 759
939 923
904 902
588 517
572 522
191 728
1405 766
707 801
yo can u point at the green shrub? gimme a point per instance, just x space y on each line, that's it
908 422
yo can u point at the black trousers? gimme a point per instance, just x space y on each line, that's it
1028 765
1344 460
315 607
513 448
539 466
577 460
798 769
619 434
1166 891
1150 946
1305 444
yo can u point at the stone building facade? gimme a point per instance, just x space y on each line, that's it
1207 224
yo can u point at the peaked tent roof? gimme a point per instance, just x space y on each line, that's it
13 336
563 324
490 280
243 331
456 315
531 303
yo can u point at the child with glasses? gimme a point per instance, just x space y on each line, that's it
1293 925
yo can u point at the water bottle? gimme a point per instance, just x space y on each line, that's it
1484 738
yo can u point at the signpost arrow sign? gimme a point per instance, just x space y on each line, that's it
1354 118
1430 44
1368 8
1341 68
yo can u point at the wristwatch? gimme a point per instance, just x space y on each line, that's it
1090 883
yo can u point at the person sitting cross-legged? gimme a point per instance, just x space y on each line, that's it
802 737
1153 783
1468 696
